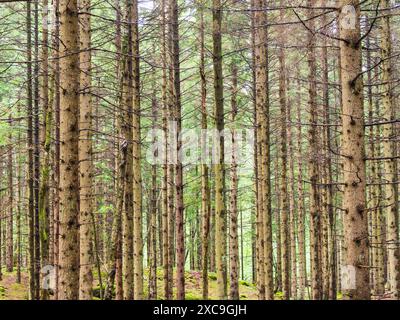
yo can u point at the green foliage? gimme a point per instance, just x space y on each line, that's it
193 296
96 292
105 208
244 283
212 276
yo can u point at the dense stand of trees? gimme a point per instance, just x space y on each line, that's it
307 209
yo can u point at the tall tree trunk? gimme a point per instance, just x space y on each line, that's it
44 194
233 239
31 200
10 229
315 214
152 250
127 156
114 257
326 205
300 201
284 197
171 155
36 150
390 200
85 156
220 212
180 236
277 214
259 237
353 151
69 165
137 176
292 209
165 181
19 211
205 187
262 109
56 107
375 216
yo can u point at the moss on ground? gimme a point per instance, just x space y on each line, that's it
10 290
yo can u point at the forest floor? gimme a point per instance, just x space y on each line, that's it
10 290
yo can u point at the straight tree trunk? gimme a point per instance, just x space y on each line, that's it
391 198
10 229
44 194
179 215
259 237
152 250
262 109
19 211
171 154
326 193
375 216
300 202
85 156
315 213
127 156
353 151
31 217
262 96
36 150
234 242
284 197
292 209
164 187
115 252
56 46
69 165
220 212
137 176
205 187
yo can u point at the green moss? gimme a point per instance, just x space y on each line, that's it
193 296
12 291
212 276
96 292
245 283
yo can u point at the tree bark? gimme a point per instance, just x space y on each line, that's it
315 213
69 165
137 176
220 212
85 156
353 150
205 187
390 200
179 207
284 197
233 239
